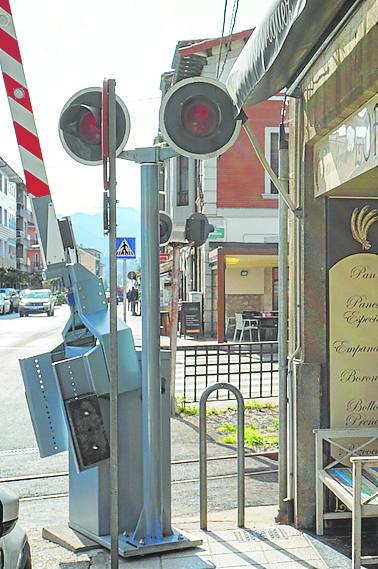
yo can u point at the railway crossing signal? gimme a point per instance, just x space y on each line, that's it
80 126
197 229
198 118
165 228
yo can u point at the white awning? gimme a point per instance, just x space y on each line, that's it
280 47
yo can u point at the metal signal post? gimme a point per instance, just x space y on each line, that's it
109 165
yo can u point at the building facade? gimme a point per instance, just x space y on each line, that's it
325 54
235 270
22 221
8 212
91 260
335 122
35 264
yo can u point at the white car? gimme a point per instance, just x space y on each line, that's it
14 545
39 301
5 308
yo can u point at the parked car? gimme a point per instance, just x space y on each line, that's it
13 296
14 545
39 301
5 308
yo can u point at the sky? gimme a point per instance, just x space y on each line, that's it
67 46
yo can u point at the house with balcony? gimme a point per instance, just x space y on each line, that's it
236 270
35 264
9 182
22 220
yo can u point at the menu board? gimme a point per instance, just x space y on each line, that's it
191 324
353 342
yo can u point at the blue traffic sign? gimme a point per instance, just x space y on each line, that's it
125 248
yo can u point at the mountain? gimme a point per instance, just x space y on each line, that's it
89 232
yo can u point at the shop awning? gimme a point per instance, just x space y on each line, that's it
281 46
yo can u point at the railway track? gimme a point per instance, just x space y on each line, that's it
250 472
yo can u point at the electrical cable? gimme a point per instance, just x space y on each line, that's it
221 38
231 31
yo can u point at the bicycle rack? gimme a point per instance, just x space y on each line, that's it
203 452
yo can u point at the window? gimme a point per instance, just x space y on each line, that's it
5 218
1 215
182 181
12 221
5 185
272 155
274 158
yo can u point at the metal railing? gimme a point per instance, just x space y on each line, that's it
203 452
252 367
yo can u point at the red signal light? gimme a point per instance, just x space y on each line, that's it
89 130
200 117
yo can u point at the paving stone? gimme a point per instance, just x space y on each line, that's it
223 547
251 559
289 555
194 562
200 551
291 543
102 561
312 564
224 535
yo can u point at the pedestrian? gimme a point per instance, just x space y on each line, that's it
133 300
138 303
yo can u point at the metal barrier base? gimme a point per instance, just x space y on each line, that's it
175 542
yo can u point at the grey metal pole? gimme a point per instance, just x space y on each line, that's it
173 323
283 262
241 462
124 290
150 354
203 452
203 461
114 530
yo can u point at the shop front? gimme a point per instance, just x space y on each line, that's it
328 64
336 327
245 285
346 176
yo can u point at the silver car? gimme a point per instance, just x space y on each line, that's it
39 301
5 306
14 545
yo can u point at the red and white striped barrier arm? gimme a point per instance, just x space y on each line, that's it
20 105
28 141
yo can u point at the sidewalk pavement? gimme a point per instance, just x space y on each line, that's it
135 323
262 544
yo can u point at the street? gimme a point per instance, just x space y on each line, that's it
44 501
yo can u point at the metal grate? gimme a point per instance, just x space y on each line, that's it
268 534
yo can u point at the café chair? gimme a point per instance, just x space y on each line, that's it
230 323
246 325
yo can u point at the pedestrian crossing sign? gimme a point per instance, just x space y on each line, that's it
125 247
